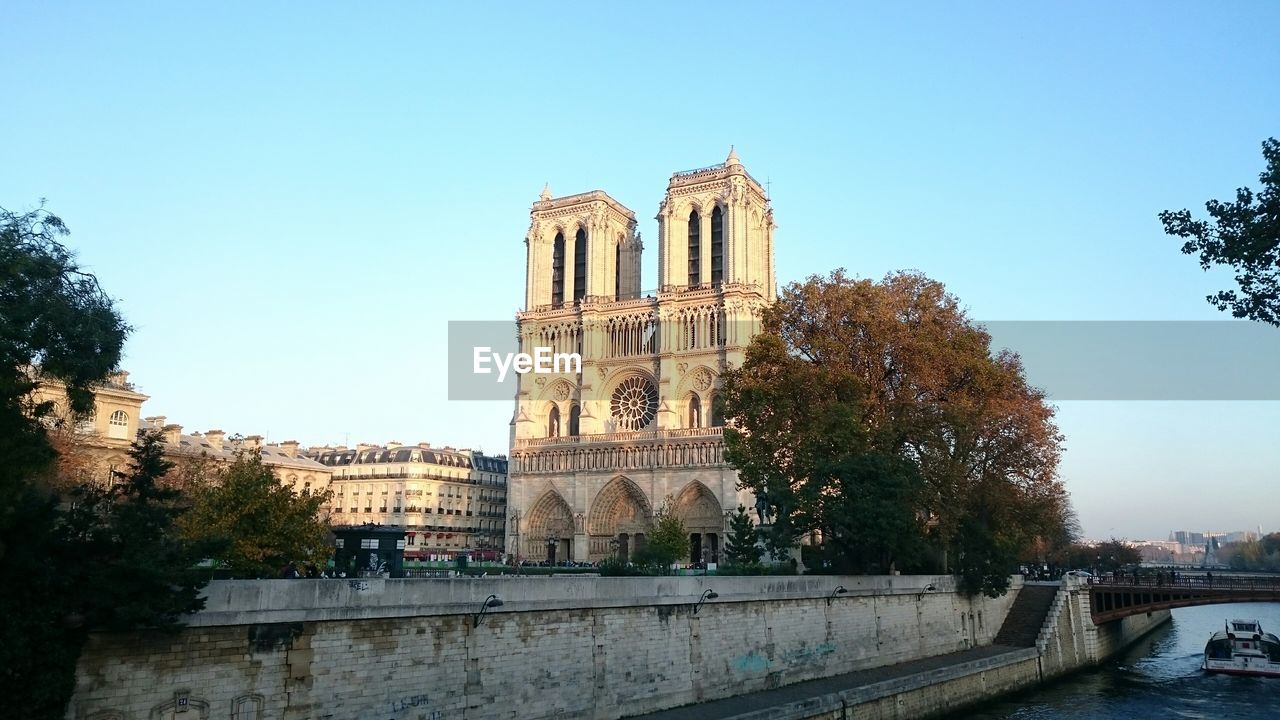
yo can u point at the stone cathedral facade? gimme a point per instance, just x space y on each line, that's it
595 454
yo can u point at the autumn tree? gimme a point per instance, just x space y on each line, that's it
877 414
1243 235
257 525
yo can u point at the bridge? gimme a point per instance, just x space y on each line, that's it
1114 598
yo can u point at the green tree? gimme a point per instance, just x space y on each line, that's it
126 537
877 414
741 548
667 542
1244 235
257 525
56 323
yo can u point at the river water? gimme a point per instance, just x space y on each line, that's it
1159 677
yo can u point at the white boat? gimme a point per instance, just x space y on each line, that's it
1243 649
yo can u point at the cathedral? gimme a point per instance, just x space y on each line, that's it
596 454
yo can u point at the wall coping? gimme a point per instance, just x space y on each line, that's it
249 602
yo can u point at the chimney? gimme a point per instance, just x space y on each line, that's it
364 446
393 445
173 434
290 448
253 443
155 421
215 438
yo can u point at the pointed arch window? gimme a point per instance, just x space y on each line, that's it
695 248
617 272
695 412
717 411
557 270
575 415
717 246
553 423
580 265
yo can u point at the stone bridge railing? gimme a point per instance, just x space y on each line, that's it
1112 598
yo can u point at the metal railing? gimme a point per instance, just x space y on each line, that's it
1197 582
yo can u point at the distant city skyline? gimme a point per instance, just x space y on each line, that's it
291 209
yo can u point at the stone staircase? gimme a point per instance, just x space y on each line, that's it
1026 617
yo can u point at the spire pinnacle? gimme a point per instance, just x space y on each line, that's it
733 157
546 192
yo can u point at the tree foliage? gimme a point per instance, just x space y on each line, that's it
667 542
126 536
255 524
877 415
1256 555
106 562
741 547
1244 235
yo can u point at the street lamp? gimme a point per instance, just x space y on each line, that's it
840 590
706 595
553 542
492 601
927 589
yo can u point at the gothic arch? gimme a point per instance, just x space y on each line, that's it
550 515
698 508
620 506
695 376
558 391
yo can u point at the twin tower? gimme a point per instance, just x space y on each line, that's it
596 453
715 227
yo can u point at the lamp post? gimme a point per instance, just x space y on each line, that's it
553 542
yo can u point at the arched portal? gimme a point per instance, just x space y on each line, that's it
549 533
699 510
620 508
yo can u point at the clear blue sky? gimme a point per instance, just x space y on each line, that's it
290 201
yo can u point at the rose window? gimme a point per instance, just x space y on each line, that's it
634 403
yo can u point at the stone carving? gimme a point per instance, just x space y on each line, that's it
702 379
682 368
562 392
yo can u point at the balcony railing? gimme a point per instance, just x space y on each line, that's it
623 437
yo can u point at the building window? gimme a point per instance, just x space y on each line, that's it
557 270
695 412
118 426
695 248
717 245
575 414
580 256
634 404
717 412
88 423
617 272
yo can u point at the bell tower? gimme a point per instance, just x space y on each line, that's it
580 246
715 228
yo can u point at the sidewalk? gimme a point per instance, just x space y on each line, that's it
811 697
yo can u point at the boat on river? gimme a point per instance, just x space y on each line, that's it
1243 649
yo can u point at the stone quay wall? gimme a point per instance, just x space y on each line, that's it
563 647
